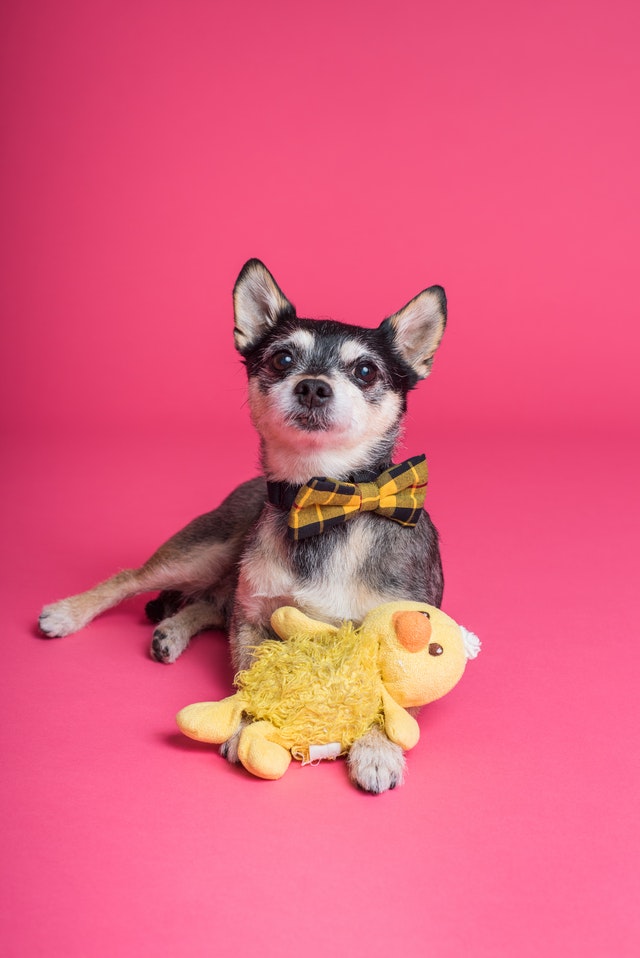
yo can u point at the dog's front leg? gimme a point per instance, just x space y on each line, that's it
375 763
172 636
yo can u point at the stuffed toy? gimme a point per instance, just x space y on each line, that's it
314 694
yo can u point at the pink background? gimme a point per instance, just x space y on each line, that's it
364 151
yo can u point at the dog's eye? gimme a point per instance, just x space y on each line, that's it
366 373
282 361
435 649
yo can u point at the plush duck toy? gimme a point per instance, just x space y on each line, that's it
318 691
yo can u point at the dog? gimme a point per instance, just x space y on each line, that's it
328 400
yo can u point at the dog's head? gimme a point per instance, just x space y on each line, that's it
327 398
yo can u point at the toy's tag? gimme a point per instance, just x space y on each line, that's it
316 753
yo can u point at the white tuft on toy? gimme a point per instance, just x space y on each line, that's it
471 642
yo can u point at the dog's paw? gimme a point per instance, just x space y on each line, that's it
61 618
169 642
376 764
229 749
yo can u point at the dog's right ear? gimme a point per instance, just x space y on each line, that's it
258 304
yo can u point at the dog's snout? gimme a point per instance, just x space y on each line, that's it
313 392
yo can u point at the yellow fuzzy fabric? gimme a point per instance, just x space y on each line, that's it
316 690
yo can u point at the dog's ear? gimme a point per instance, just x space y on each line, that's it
258 304
417 329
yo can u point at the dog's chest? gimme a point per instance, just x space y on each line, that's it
330 578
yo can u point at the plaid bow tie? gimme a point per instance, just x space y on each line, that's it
398 493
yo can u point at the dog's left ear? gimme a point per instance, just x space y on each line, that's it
417 329
258 304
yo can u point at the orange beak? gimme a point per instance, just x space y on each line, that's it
413 630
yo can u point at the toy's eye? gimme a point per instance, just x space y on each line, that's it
366 373
435 649
282 361
426 615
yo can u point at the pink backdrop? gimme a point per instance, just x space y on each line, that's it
363 151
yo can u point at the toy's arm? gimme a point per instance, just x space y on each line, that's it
400 727
287 621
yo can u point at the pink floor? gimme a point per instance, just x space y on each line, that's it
516 832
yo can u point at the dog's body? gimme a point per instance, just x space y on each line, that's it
327 400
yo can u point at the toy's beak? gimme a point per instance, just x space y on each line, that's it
413 630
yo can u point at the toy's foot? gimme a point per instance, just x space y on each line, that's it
212 722
375 763
259 755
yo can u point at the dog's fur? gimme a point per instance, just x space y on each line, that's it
327 400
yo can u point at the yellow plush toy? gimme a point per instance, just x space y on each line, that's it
314 694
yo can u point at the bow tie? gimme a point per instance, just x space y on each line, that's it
397 493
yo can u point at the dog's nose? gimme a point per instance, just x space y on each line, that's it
313 392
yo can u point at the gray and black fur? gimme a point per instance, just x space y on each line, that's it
328 399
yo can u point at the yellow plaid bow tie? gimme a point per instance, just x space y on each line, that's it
398 493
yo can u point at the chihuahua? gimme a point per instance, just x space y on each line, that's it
328 400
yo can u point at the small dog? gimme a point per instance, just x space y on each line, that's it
327 400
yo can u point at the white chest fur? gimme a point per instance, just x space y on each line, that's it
335 592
